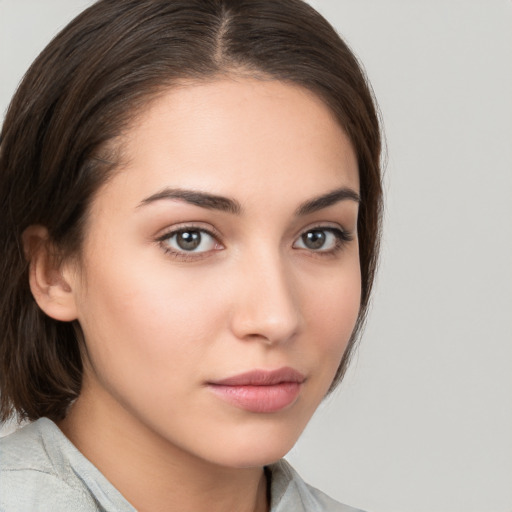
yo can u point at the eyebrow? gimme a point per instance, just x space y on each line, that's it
226 204
202 199
326 200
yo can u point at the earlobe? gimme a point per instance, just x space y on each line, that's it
51 283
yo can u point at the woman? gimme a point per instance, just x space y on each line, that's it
191 200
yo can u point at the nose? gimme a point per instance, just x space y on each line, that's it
266 304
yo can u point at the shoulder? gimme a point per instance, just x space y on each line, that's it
33 440
29 489
35 474
290 492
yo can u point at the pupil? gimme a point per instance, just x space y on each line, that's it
314 239
188 240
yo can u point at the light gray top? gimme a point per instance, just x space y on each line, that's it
42 471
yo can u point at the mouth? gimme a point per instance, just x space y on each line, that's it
260 391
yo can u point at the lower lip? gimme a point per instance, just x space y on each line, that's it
262 399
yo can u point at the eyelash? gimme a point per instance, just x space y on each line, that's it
342 237
187 255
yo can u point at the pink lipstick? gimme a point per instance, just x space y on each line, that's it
260 391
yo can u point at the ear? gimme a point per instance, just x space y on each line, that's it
51 281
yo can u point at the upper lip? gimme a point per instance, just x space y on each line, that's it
262 378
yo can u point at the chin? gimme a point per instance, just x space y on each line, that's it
255 449
259 457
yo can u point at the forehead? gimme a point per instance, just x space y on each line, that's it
238 136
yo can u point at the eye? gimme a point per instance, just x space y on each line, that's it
326 240
189 241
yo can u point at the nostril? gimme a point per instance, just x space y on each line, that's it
269 328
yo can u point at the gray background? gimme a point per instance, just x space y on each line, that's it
423 421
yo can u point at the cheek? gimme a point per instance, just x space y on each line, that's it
332 314
341 312
140 320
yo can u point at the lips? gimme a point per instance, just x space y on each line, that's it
260 391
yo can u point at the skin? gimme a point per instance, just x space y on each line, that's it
160 325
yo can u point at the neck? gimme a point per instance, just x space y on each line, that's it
151 472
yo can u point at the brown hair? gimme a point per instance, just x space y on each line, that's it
81 93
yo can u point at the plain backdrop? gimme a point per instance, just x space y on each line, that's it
423 420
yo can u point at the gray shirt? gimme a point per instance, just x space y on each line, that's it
42 471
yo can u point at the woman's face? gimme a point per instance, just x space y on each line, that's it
220 277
